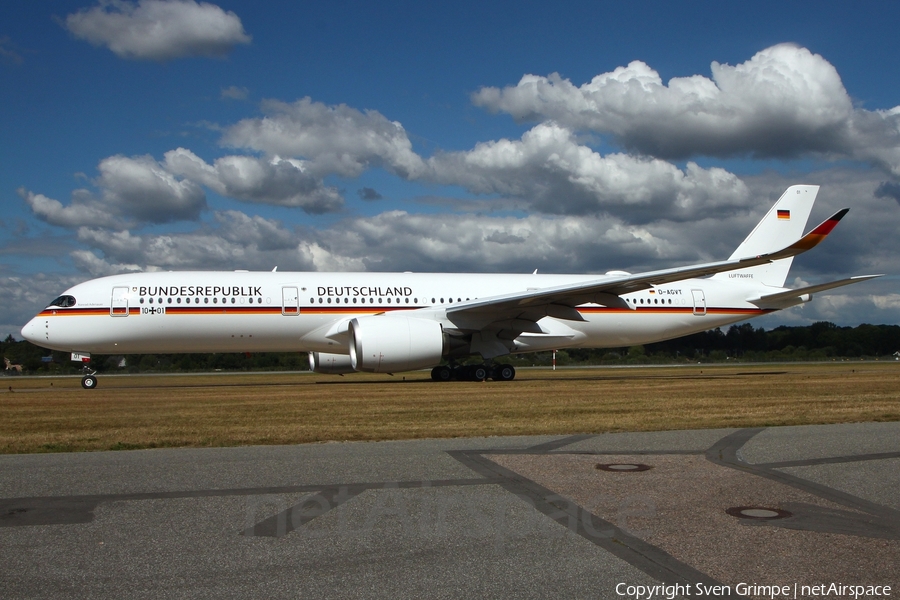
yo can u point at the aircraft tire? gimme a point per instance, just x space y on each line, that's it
504 373
479 373
441 373
89 382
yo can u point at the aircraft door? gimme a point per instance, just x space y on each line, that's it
290 301
699 302
119 305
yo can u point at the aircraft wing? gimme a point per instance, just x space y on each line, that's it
512 314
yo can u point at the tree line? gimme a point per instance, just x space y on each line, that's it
820 341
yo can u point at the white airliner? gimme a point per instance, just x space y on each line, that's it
393 322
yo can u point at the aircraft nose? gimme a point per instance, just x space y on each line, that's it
31 332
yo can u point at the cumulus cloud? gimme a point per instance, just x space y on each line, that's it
255 231
277 181
237 241
133 191
549 169
89 262
158 29
401 241
554 173
142 188
335 139
783 102
390 241
891 301
83 211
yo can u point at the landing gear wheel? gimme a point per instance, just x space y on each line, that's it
441 373
504 373
479 373
89 382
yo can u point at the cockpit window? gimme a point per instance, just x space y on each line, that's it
64 301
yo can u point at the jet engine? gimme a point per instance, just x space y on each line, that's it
330 364
390 344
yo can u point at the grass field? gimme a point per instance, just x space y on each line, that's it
56 415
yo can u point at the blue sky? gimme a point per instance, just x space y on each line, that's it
402 136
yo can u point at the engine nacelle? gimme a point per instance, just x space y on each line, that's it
391 344
330 364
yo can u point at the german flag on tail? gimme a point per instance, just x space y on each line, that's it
784 214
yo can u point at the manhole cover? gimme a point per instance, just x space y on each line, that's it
622 467
757 512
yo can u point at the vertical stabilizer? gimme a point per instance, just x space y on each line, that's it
782 226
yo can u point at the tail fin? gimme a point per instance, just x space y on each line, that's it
783 224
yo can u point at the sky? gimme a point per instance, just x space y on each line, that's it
578 137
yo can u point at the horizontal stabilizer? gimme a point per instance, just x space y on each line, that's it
792 297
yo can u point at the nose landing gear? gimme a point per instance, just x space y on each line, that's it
89 381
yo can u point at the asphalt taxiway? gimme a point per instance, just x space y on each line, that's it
588 516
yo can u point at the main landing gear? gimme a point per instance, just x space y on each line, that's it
473 373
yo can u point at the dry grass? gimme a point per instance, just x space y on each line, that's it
46 415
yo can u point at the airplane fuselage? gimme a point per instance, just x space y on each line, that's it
271 311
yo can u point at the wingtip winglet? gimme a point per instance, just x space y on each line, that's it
813 238
829 223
